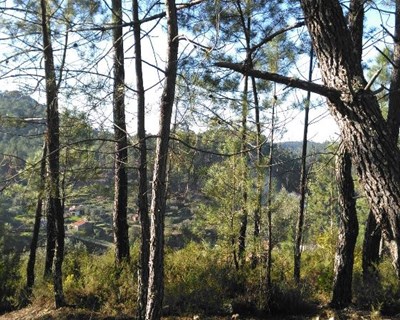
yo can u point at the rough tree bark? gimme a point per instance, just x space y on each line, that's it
372 237
53 152
120 223
348 228
393 119
370 251
143 207
348 231
356 111
158 196
358 115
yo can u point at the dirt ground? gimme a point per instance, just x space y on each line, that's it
40 312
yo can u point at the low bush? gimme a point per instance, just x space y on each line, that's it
198 280
9 281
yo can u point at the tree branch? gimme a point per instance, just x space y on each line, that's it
148 19
289 81
275 34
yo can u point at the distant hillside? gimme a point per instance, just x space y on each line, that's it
22 125
17 104
296 146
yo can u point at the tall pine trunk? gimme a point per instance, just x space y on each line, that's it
158 196
53 152
348 231
120 223
143 207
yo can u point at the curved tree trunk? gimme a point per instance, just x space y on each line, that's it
120 223
348 231
358 115
158 196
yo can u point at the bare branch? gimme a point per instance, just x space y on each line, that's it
132 23
275 34
289 81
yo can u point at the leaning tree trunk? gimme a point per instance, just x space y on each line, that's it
30 268
158 196
348 231
357 112
53 151
120 223
143 207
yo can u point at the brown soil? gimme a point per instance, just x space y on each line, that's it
40 312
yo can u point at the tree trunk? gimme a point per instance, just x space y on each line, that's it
303 184
30 268
372 233
143 208
120 223
358 115
394 93
260 177
370 252
158 197
244 213
268 281
50 240
246 22
53 151
348 231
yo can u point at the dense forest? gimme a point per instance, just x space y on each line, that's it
209 212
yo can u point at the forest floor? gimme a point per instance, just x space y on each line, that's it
40 312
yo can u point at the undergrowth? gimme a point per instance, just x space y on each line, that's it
201 279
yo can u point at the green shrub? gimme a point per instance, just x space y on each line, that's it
9 281
197 280
382 294
93 281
